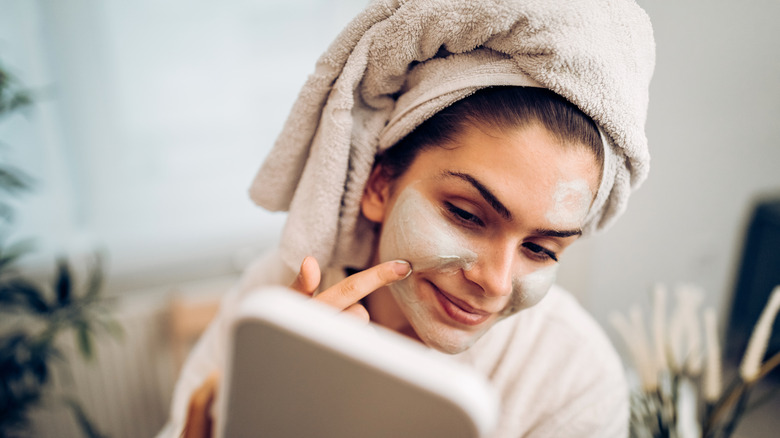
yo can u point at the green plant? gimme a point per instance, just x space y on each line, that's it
33 315
28 347
12 180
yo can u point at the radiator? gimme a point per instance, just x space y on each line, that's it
126 388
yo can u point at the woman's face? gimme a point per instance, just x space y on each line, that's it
483 222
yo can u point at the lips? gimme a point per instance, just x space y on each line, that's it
459 310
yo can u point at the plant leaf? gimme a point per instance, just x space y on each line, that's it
95 282
83 420
8 297
15 418
39 367
113 327
10 367
12 96
20 100
12 252
10 341
6 212
64 283
84 339
20 292
13 180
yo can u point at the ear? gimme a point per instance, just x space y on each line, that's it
376 196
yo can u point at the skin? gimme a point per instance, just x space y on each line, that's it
500 208
417 231
517 208
571 203
344 296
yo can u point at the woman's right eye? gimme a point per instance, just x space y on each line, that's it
463 216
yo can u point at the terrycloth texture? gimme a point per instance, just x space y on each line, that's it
599 54
553 367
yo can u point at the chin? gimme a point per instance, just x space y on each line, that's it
428 323
447 347
438 335
447 339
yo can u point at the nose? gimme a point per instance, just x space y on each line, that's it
493 270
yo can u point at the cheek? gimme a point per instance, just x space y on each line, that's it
570 203
530 289
416 231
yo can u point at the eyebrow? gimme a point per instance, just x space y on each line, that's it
501 209
489 197
556 233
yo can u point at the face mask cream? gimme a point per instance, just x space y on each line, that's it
571 201
416 231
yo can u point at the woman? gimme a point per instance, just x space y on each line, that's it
486 173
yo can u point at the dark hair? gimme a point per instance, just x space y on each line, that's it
502 108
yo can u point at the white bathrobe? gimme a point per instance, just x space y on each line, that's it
553 367
393 66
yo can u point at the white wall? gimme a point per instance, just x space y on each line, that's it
715 144
156 116
170 99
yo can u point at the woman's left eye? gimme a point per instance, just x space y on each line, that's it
539 252
463 215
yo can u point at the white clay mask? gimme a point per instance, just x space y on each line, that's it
571 202
417 231
527 290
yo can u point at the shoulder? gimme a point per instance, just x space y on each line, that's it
556 371
562 318
556 327
591 383
209 353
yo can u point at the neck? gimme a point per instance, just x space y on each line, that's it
383 310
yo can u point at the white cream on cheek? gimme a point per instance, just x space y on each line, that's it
571 201
417 232
530 289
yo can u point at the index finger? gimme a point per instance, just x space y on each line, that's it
355 287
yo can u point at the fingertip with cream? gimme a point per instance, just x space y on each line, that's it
402 267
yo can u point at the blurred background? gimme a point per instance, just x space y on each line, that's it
150 119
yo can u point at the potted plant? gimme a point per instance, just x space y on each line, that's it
680 391
35 314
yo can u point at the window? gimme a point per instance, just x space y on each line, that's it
156 117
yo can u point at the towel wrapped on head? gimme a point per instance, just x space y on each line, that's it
399 62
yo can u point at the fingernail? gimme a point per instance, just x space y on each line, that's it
402 267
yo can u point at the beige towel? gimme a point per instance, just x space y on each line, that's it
370 88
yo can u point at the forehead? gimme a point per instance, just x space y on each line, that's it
526 170
523 158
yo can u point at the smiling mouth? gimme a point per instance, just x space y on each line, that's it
458 310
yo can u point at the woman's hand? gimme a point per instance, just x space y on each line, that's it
199 422
346 294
